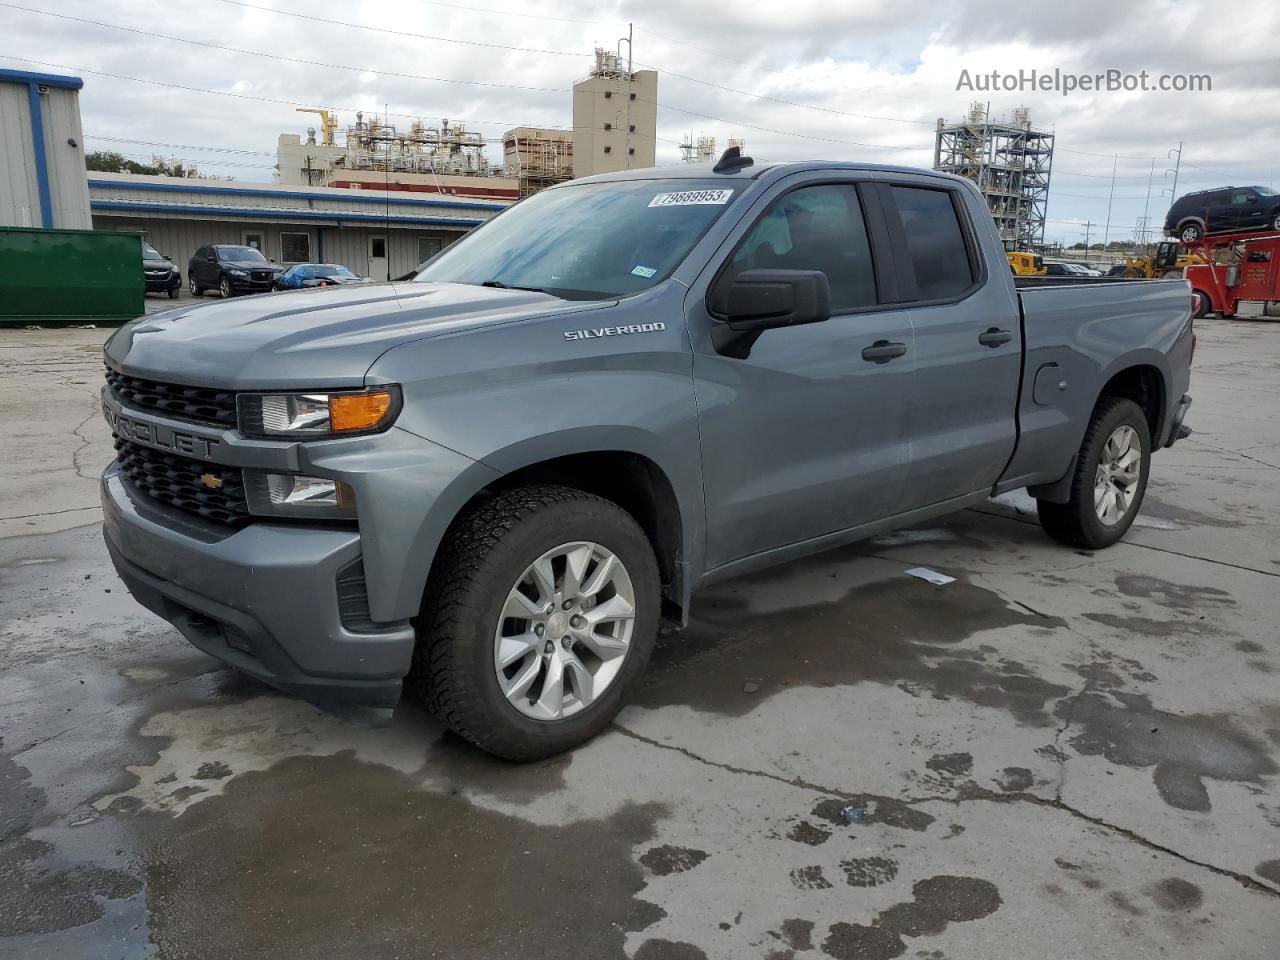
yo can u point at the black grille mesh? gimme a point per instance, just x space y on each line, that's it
201 404
180 482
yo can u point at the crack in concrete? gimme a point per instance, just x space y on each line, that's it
1141 546
972 794
1234 453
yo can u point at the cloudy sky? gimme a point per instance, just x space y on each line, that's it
849 79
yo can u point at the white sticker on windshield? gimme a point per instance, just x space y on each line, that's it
645 272
688 198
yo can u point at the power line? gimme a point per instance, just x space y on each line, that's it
179 146
277 56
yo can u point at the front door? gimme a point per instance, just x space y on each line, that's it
378 263
805 435
256 239
968 346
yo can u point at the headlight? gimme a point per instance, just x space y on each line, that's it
237 272
304 415
293 495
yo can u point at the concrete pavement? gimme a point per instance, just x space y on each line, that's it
1061 754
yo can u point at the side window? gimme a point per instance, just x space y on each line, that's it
935 240
813 228
1240 196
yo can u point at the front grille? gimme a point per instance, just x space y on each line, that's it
180 482
201 404
260 274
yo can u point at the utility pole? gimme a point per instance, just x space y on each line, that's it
1146 219
1177 165
1087 225
626 156
1106 234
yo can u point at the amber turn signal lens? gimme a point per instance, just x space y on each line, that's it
358 411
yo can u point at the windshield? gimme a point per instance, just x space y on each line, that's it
239 253
1263 191
149 252
330 270
587 241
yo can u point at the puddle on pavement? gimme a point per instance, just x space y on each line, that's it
900 631
1183 750
334 856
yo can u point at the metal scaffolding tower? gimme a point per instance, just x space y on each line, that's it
1009 160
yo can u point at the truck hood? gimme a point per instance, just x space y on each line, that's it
312 338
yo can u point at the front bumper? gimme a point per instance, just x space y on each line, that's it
249 285
162 284
263 598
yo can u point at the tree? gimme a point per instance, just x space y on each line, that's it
107 161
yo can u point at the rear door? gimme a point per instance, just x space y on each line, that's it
805 435
964 312
1223 216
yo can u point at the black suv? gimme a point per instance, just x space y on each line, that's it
230 269
1224 210
160 275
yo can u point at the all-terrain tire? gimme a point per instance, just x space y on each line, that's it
1076 522
483 556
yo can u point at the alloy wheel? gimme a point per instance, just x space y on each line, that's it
565 631
1119 470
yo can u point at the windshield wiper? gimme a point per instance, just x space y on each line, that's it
499 285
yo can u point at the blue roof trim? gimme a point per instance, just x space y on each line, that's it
296 216
494 205
45 79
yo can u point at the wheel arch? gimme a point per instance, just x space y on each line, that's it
633 475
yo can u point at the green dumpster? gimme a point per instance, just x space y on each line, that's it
70 276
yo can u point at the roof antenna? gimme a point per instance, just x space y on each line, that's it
732 160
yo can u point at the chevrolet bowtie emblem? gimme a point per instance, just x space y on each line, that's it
211 480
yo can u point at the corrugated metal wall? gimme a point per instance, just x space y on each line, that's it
19 199
179 236
19 187
67 181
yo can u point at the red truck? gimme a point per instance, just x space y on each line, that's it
1232 288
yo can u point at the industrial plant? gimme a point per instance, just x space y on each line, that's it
1009 160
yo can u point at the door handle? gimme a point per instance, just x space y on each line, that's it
882 351
995 337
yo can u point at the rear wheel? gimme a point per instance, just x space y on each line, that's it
1202 304
1109 481
541 613
1191 232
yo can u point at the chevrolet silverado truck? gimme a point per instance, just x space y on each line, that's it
492 482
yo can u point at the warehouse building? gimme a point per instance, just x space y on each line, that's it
373 233
41 154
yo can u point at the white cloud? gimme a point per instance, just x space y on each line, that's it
854 61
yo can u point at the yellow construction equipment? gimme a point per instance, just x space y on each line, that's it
1169 260
1024 264
328 123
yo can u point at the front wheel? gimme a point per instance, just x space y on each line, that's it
541 612
1110 479
196 289
173 293
224 288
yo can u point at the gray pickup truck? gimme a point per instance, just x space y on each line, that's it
496 479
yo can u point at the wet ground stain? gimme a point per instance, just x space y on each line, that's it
869 871
873 809
952 764
808 834
1269 870
1184 750
1162 510
333 856
665 860
809 878
936 903
1179 596
1016 780
665 950
1176 895
39 892
900 631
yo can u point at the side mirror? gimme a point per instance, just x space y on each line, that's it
212 258
760 300
169 258
1253 199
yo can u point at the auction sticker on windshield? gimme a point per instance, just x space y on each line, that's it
689 198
